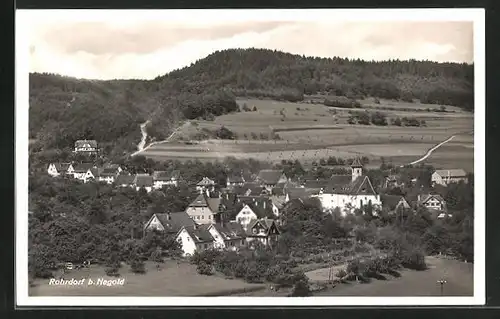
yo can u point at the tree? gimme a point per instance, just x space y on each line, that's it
378 118
301 289
224 133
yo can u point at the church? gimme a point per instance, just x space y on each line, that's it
349 192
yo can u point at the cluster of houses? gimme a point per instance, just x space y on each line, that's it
240 212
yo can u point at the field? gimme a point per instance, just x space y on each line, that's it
459 277
312 131
171 280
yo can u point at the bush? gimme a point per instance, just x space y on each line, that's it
156 256
341 273
137 267
379 119
301 289
414 259
112 271
204 269
396 121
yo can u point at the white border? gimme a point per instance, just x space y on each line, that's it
24 18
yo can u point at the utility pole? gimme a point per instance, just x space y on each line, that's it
442 282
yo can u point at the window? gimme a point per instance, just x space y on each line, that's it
243 242
231 243
254 230
202 217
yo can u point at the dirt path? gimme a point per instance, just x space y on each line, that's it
429 152
141 147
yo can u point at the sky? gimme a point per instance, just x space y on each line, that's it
126 45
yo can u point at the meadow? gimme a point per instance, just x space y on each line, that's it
311 131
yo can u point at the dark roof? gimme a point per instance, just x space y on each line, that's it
297 192
205 182
265 222
81 143
143 180
62 167
356 163
390 201
343 184
203 201
109 171
319 183
95 171
166 176
235 179
230 230
278 191
200 233
173 222
337 183
451 173
83 167
125 179
426 197
269 176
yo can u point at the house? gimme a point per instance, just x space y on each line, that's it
83 171
203 209
270 178
255 208
394 202
108 174
393 181
235 180
263 230
114 166
227 235
250 189
169 222
432 202
194 238
448 176
123 180
205 184
163 178
143 181
58 169
296 192
86 147
349 192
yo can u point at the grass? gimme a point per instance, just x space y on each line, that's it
316 131
172 280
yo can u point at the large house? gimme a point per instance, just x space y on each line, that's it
58 169
143 181
255 208
169 222
349 192
195 238
263 230
270 178
86 147
448 176
204 209
163 178
433 202
227 235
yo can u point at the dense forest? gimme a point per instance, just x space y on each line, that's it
63 109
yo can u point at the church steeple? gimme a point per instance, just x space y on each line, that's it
357 169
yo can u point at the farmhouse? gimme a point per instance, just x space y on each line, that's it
108 175
349 192
255 208
393 203
123 180
236 180
228 235
143 181
205 184
86 147
448 176
270 178
58 169
163 178
203 209
169 222
433 202
194 238
263 230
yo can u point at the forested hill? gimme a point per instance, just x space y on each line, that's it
64 109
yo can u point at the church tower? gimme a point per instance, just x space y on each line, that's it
357 169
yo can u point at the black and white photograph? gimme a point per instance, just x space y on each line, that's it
256 156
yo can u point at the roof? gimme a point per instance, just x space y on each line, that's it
203 201
269 176
235 179
125 179
390 201
83 167
298 192
356 163
265 222
451 173
424 198
199 233
166 176
343 184
231 230
62 166
205 182
109 171
278 201
319 183
82 143
261 206
95 172
173 222
143 180
278 191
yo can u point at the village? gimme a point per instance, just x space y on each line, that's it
243 211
